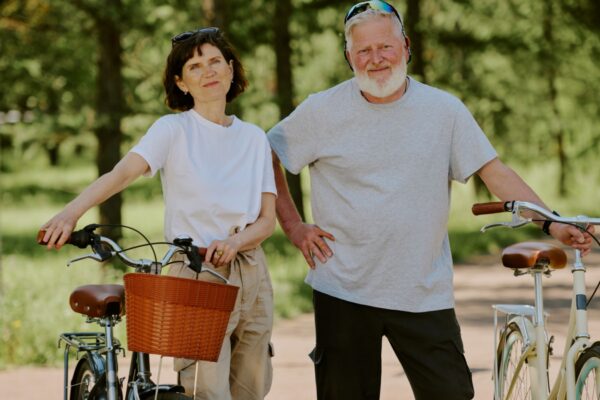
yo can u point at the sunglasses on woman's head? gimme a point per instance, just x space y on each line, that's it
186 35
377 5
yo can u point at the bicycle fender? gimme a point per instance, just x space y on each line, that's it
98 365
526 328
95 361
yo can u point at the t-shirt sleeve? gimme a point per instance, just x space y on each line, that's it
471 149
295 139
154 145
268 182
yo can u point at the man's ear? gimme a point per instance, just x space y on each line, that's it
347 56
407 42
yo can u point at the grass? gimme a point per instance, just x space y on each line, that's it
35 283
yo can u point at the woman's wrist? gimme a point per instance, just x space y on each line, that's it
547 223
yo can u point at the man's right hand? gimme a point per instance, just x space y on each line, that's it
309 239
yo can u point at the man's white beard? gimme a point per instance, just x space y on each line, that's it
383 89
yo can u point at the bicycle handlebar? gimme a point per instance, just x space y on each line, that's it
517 207
105 248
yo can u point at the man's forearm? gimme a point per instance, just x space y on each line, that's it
287 213
507 185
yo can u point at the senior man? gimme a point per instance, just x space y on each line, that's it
382 150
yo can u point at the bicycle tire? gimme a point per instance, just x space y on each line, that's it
587 371
508 353
83 381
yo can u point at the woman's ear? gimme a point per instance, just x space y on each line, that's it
182 86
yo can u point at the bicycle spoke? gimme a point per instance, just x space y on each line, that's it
511 371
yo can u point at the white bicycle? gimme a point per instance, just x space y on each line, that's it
522 345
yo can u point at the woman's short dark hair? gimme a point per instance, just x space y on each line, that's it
183 49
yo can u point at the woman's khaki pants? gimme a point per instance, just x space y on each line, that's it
244 369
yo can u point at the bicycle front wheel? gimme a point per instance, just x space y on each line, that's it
587 370
511 369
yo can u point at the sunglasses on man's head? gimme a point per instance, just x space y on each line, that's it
186 35
377 5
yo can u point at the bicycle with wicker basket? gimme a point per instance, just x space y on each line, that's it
166 316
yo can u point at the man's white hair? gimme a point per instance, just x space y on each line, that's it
368 15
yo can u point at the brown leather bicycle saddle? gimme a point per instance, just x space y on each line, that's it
530 254
98 300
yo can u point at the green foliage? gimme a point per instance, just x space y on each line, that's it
498 56
35 305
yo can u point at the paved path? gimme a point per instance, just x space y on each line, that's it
478 286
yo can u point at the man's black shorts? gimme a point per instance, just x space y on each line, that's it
347 356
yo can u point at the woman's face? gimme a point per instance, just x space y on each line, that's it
206 77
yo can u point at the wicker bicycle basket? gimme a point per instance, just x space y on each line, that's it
177 317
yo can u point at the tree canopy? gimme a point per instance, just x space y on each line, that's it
84 76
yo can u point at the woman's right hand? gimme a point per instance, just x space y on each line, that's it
58 228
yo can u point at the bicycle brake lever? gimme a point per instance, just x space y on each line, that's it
93 256
512 224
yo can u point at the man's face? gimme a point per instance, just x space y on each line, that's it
378 56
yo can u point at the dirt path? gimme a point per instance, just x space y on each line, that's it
478 286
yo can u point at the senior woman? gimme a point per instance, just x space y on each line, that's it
218 187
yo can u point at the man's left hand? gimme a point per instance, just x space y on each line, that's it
572 236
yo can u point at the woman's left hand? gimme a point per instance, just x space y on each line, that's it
222 252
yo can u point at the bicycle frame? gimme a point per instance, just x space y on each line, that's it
531 321
578 337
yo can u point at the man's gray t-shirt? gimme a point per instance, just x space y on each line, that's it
380 183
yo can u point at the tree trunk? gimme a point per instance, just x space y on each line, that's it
285 84
53 153
218 13
413 30
549 59
110 108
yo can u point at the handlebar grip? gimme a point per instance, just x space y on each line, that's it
40 237
490 208
81 238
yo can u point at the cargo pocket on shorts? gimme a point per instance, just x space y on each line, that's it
317 356
467 386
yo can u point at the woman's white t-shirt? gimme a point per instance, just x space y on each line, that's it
212 176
